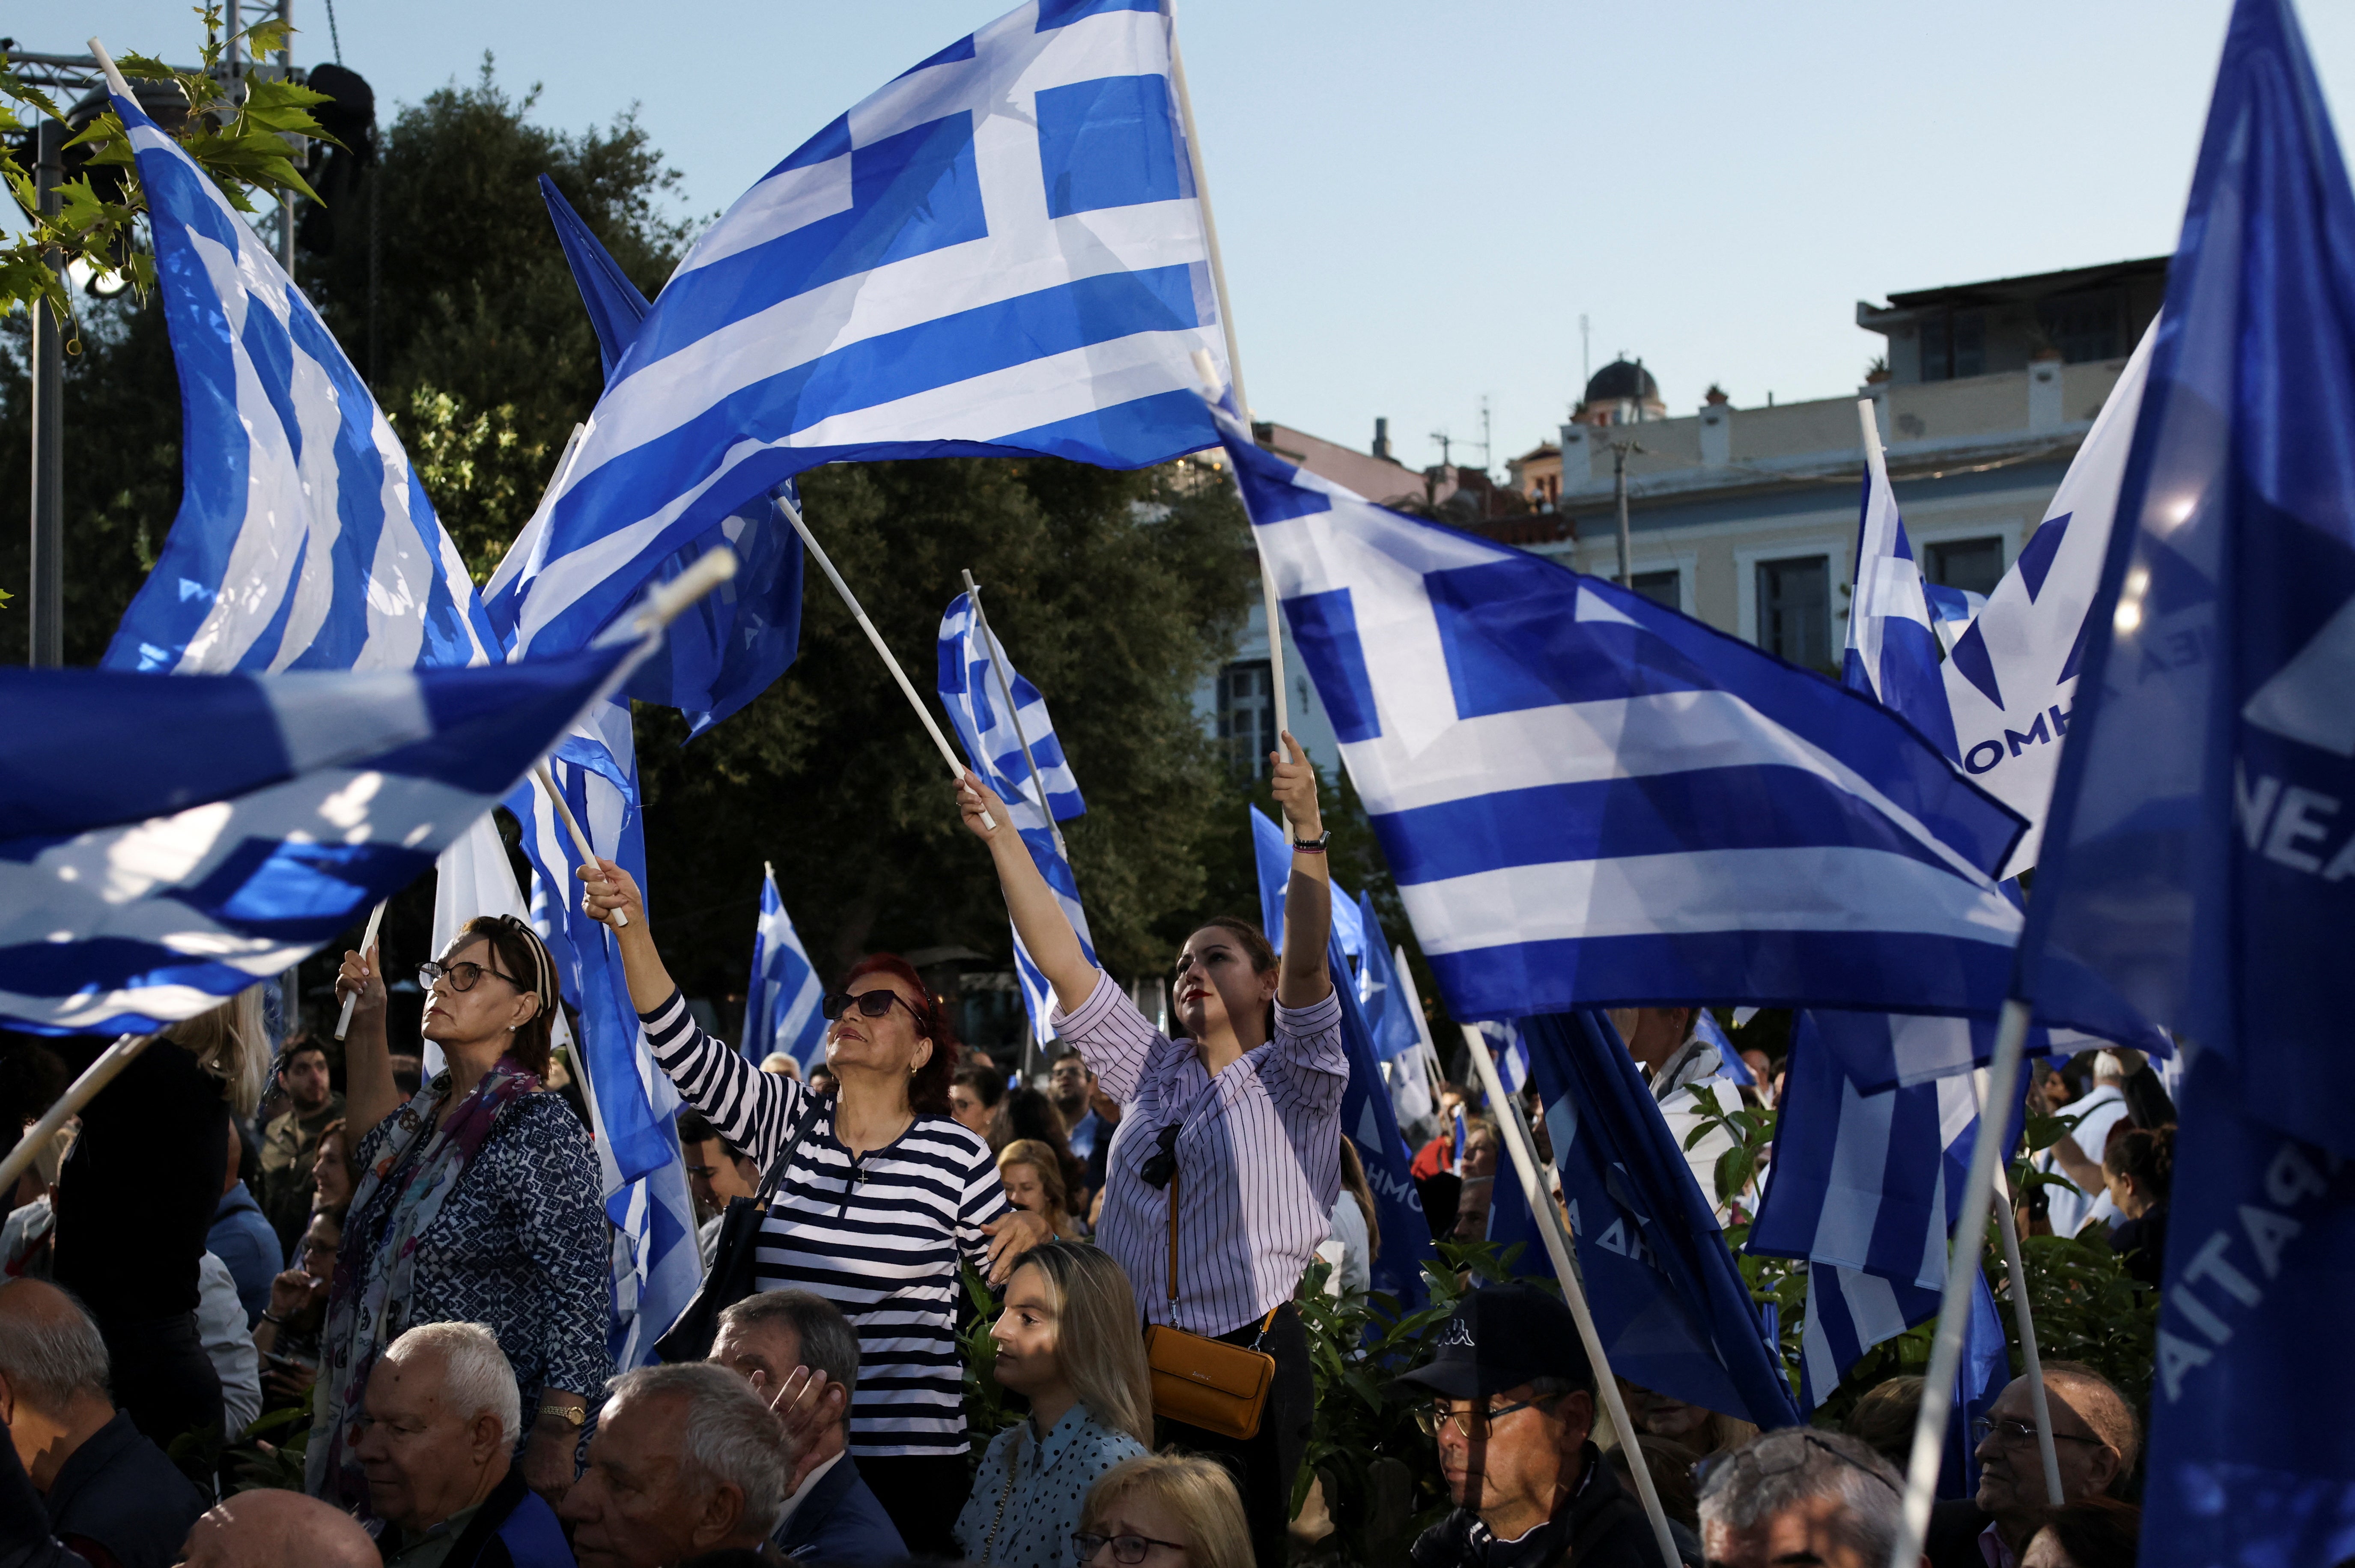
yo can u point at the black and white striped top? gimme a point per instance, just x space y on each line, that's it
879 1237
1259 1160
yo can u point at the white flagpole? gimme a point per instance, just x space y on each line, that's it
2038 1407
1006 692
957 769
1557 1241
588 851
1962 1268
368 944
1234 367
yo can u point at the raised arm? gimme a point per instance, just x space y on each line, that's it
369 1094
606 887
1046 930
1308 898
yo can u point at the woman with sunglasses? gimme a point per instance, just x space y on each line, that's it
478 1203
1221 1179
878 1198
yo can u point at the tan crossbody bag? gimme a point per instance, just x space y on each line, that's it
1206 1383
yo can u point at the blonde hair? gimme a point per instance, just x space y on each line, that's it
1097 1345
1198 1491
1040 1157
232 1043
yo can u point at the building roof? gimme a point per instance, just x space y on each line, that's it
1622 381
2026 289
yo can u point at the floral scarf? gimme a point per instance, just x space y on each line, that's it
370 1300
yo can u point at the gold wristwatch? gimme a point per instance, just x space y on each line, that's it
573 1415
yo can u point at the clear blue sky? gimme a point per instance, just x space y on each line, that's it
1418 202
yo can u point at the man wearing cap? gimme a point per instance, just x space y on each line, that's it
1513 1402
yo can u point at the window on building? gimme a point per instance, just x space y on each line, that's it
1795 609
1975 566
2083 327
1246 715
1662 587
1954 344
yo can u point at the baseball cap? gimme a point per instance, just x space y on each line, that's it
1500 1337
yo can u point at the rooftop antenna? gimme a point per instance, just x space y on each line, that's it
1585 353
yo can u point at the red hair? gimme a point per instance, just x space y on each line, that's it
928 1086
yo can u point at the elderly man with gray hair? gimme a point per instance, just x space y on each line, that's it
686 1460
109 1493
1800 1495
441 1423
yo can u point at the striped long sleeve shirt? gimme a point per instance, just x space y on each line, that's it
880 1236
1259 1161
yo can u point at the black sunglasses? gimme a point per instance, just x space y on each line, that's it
871 1004
1160 1166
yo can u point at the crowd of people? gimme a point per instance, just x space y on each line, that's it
406 1283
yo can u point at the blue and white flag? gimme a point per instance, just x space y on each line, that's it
1589 799
1669 1300
305 540
1732 1067
1369 1121
734 641
1390 1011
1000 253
1271 859
2012 679
1512 1051
2198 854
1952 611
966 679
171 842
970 667
632 1102
1892 650
780 1005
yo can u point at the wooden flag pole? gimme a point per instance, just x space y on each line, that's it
1006 692
573 825
1523 1148
2038 1407
367 946
884 650
1954 1308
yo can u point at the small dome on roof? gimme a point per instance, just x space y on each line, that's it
1621 380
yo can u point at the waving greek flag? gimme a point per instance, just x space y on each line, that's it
1590 800
999 252
1892 648
969 667
304 540
655 1267
1866 1187
780 1009
171 842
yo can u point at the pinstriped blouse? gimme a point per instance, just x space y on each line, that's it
1259 1161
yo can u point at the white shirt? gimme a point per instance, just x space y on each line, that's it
1355 1273
220 1328
2101 1110
809 1483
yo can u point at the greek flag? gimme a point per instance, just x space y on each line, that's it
171 842
632 1102
1892 648
780 1005
2011 681
967 675
2201 849
732 643
1588 799
304 540
1952 611
1866 1188
1000 253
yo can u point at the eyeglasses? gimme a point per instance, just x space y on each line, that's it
1787 1457
2018 1434
461 976
871 1004
1124 1548
1474 1423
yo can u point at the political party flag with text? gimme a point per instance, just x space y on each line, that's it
2200 855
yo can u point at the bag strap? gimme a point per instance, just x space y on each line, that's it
1173 1238
774 1177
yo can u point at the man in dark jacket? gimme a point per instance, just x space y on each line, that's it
109 1493
801 1355
1513 1402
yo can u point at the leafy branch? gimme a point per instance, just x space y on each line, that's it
241 132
